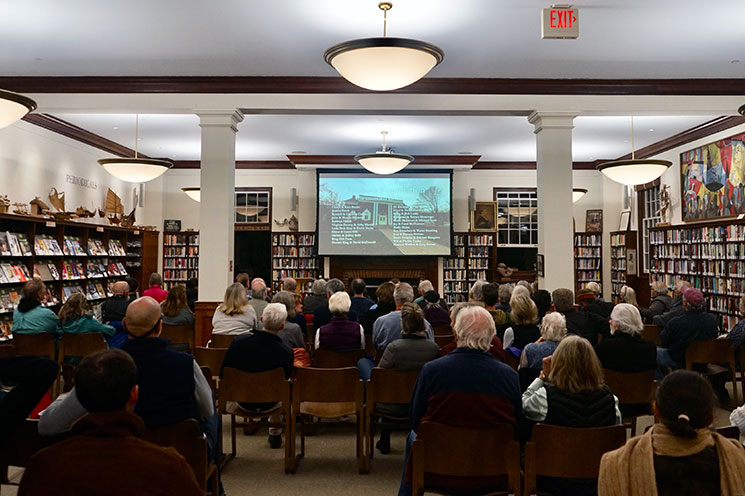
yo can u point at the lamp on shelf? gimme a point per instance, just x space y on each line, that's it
634 171
383 64
135 170
192 193
13 107
383 161
578 193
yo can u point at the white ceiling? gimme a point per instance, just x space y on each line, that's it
273 137
480 38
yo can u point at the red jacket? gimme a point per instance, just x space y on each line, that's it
156 292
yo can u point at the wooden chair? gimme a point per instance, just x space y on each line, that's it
210 357
325 359
632 389
652 333
257 387
446 451
730 431
179 334
567 452
35 345
80 345
713 352
328 393
386 386
188 440
442 340
442 330
7 350
222 340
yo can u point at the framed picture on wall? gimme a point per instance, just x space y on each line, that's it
594 221
484 217
623 224
539 265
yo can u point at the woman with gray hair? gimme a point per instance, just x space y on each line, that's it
553 329
625 350
290 334
341 334
661 301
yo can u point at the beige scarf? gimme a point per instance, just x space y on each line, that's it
629 470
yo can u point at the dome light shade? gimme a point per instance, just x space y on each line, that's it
193 193
383 162
578 193
633 172
13 107
135 170
383 64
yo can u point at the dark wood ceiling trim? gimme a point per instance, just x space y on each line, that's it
72 131
431 85
486 165
708 128
239 164
455 160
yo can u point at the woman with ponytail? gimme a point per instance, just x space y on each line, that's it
680 455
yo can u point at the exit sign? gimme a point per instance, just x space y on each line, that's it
560 23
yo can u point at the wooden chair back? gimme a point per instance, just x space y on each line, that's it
390 386
80 345
188 440
35 345
442 340
179 334
442 329
252 387
652 333
631 388
326 359
7 350
586 445
730 431
222 340
717 351
210 357
207 373
327 385
445 450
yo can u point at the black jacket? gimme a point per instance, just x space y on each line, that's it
601 308
586 324
660 304
626 353
676 309
685 329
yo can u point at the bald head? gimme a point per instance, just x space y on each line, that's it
120 288
142 315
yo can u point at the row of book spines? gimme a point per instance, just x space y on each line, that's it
454 263
699 251
481 240
295 263
479 251
588 240
181 251
709 267
587 252
281 274
293 239
456 287
181 263
588 275
712 234
180 239
180 274
618 240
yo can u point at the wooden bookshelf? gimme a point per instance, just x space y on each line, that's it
70 257
588 259
294 255
620 243
709 256
473 260
180 257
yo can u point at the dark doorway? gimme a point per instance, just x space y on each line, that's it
253 254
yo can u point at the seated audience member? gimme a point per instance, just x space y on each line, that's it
737 334
260 351
360 302
491 298
569 392
290 332
692 325
385 305
175 309
32 376
410 352
585 324
322 315
524 316
106 386
661 301
289 284
156 291
680 455
114 308
676 308
526 285
30 316
542 300
318 298
505 293
424 286
244 281
476 293
433 311
75 318
625 350
234 315
192 292
553 329
387 328
495 347
133 287
341 334
466 388
589 302
628 295
258 296
595 288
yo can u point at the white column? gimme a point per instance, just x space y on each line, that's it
554 180
216 208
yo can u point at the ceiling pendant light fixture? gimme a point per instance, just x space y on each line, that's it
632 172
135 170
192 193
383 161
578 193
383 64
13 107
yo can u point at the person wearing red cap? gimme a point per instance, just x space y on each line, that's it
694 324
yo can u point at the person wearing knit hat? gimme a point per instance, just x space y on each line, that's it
433 311
693 325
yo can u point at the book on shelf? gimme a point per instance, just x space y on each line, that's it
13 245
4 246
